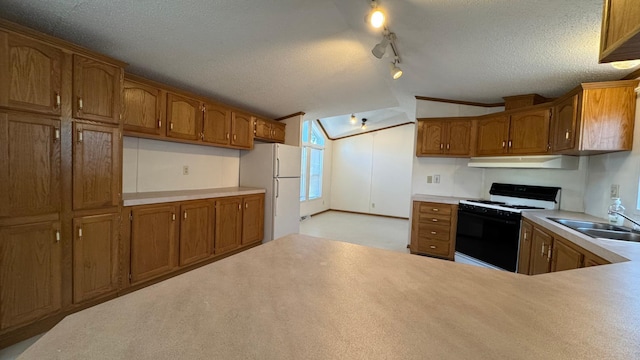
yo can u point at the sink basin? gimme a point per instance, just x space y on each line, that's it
585 225
609 234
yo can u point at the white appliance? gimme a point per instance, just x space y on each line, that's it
275 167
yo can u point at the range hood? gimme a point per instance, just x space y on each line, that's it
527 162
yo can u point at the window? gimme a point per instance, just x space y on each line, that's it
312 160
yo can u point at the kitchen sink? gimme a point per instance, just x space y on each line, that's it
585 225
609 234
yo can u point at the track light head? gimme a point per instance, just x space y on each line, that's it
396 72
353 119
376 16
364 124
380 48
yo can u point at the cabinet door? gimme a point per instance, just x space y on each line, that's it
529 132
564 124
216 124
278 132
228 225
242 130
96 166
620 36
153 241
252 219
97 90
142 108
493 133
184 117
524 254
29 165
564 257
540 262
431 137
30 74
196 233
263 129
95 256
30 272
458 137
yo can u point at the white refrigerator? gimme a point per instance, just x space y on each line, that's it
275 167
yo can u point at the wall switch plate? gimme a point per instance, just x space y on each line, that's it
436 179
429 179
185 170
615 191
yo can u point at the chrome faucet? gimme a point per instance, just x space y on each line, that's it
636 225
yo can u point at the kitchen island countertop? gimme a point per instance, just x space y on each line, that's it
301 297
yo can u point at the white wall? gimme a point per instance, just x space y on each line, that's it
152 165
372 172
621 168
293 130
456 178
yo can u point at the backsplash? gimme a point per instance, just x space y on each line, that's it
152 165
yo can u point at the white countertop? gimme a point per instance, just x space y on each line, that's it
156 197
451 200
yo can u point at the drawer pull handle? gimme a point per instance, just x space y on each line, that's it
432 246
436 210
434 220
159 123
433 233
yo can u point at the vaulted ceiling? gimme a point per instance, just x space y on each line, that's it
277 57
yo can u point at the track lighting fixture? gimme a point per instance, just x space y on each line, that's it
376 16
380 48
353 120
364 124
396 72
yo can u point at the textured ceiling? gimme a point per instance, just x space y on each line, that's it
278 57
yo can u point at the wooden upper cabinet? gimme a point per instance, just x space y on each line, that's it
262 129
30 75
143 108
241 130
269 130
564 257
459 137
29 165
30 272
97 171
596 118
529 132
184 117
279 131
540 261
430 137
252 219
216 124
95 256
97 88
154 249
564 124
196 231
492 135
524 255
228 227
620 37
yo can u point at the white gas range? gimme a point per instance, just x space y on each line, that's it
488 231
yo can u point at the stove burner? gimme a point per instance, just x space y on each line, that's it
505 205
488 202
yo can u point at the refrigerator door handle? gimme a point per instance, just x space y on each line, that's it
275 207
277 166
277 188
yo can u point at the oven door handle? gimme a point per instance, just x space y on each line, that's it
489 218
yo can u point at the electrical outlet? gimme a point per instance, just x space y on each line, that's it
429 179
436 179
615 191
185 170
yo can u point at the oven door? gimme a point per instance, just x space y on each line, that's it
491 239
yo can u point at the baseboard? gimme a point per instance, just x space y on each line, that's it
363 213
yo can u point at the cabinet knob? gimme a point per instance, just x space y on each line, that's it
239 207
57 235
448 146
79 232
549 254
56 134
79 136
246 205
58 102
524 236
173 217
185 214
234 136
510 144
227 136
566 134
441 146
171 126
542 251
80 103
159 123
504 144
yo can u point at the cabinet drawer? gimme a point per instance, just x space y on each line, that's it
436 219
433 247
435 208
434 232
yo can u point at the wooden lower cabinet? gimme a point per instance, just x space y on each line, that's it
228 225
95 256
252 219
196 231
30 273
433 229
542 251
154 249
